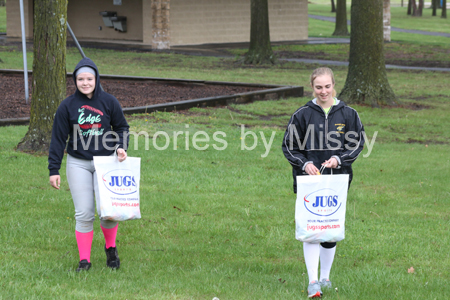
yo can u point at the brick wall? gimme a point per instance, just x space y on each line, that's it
288 20
174 22
147 22
85 21
221 21
13 27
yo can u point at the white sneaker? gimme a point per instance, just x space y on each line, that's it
325 283
314 290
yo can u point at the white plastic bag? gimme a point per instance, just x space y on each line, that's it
320 208
118 185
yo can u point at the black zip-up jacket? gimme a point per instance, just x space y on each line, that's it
313 137
79 121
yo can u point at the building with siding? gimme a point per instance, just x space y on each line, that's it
165 23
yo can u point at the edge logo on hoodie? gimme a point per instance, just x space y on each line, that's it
90 124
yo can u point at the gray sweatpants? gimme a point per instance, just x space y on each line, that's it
82 180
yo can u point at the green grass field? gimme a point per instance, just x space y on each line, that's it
220 223
399 18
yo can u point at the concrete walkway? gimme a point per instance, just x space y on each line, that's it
219 50
333 19
344 63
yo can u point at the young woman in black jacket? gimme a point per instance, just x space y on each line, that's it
323 132
88 123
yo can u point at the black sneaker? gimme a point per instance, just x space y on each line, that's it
112 258
83 265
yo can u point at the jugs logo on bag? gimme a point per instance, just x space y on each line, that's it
323 202
120 182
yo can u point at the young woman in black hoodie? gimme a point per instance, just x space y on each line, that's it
88 123
323 132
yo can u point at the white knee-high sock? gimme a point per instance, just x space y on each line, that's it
326 261
311 253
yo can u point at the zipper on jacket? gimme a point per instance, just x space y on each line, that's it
326 127
326 121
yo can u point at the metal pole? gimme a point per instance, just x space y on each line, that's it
75 39
24 50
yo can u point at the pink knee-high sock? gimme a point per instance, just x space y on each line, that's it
110 236
84 242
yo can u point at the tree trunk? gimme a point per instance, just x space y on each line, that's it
444 9
49 72
420 8
260 50
341 19
434 6
409 7
387 20
366 81
414 8
333 7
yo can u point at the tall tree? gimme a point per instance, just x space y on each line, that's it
260 50
417 10
341 18
421 5
333 7
434 7
444 9
49 72
387 20
408 12
367 81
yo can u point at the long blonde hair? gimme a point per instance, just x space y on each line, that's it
319 72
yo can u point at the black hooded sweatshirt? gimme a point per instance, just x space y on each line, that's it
88 127
313 136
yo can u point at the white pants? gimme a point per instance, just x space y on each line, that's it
83 185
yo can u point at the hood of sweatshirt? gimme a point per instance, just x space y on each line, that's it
314 105
87 62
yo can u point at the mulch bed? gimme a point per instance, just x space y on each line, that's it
129 93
